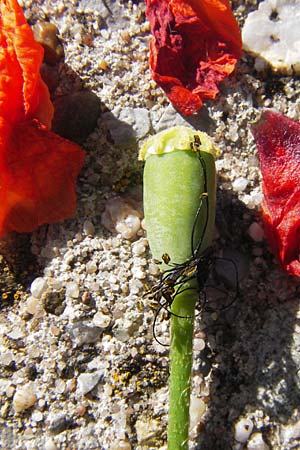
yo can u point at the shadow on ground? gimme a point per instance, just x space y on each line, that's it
254 342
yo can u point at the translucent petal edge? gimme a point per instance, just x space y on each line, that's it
174 139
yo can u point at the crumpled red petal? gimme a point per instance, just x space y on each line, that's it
278 142
38 183
38 169
195 45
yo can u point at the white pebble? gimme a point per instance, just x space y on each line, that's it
91 267
87 381
102 320
135 286
272 33
88 228
24 398
153 269
256 232
38 287
15 334
138 249
50 445
122 215
197 409
199 344
256 442
72 290
240 184
37 416
242 430
290 432
128 227
138 273
6 358
33 305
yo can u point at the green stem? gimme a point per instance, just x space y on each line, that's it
181 353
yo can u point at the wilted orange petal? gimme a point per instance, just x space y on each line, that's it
37 178
22 92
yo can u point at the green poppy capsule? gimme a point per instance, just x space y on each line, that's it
179 208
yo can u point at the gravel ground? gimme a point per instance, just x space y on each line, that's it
79 367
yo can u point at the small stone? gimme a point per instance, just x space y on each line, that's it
72 290
240 184
290 432
122 444
54 302
46 34
10 390
24 398
81 410
76 115
138 249
127 125
91 267
86 335
15 334
88 228
146 430
33 305
87 381
273 34
102 64
256 232
37 416
55 331
198 345
116 213
6 358
38 287
50 445
129 226
60 423
138 273
242 430
60 386
197 410
256 442
102 320
153 269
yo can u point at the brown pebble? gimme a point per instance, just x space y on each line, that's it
53 301
103 64
71 385
86 298
46 34
54 330
81 410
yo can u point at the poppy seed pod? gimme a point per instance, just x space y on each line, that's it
179 207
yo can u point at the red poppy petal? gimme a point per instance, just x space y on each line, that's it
37 179
278 141
191 52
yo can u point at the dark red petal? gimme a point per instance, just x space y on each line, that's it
195 45
278 142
